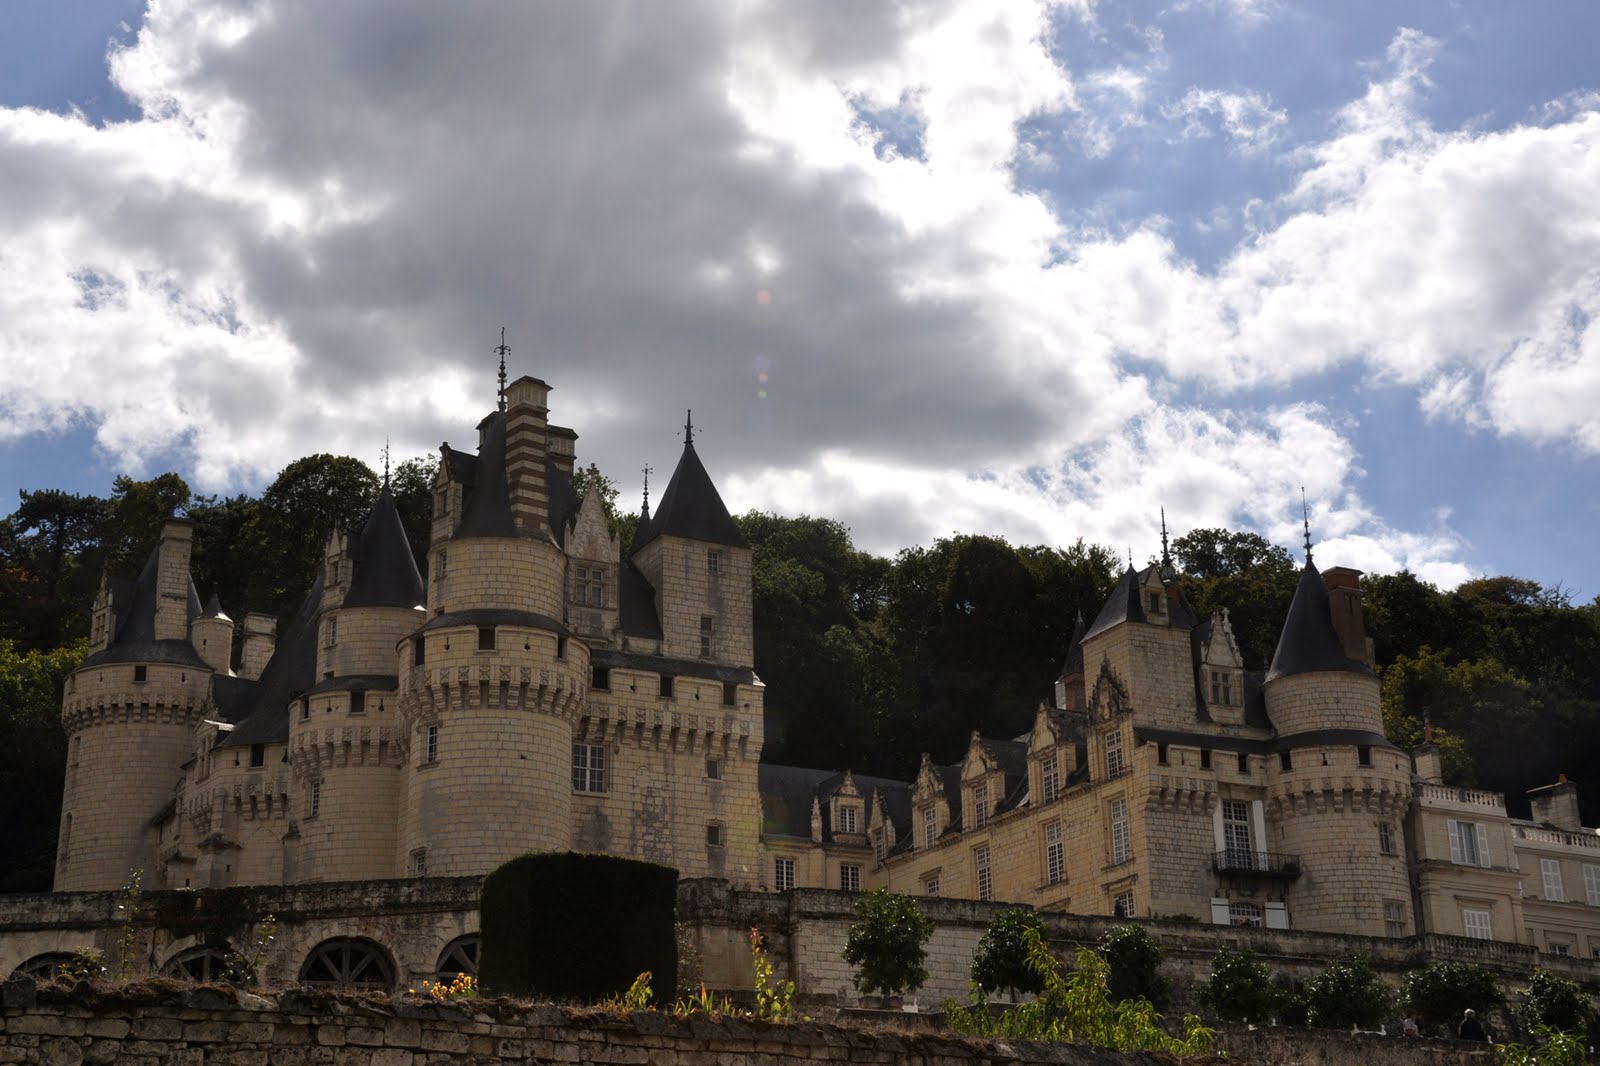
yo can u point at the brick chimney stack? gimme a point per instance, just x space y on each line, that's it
1344 604
1556 805
172 579
527 433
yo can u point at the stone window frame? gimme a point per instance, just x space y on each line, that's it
589 585
983 872
1049 777
1122 905
1386 838
1222 688
716 835
1394 918
980 805
1591 884
1121 831
430 745
849 818
1555 889
782 874
1468 837
588 768
708 633
930 826
930 884
1477 923
1055 854
849 877
314 808
1116 764
713 562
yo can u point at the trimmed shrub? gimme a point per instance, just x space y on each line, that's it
1440 991
1240 989
1001 960
1348 993
1135 957
887 945
573 926
1556 1003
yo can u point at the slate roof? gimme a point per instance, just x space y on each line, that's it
133 609
692 509
383 570
564 500
637 610
264 709
214 609
1309 643
1074 661
487 510
660 664
1123 605
787 793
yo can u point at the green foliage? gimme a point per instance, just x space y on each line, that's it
774 999
590 479
86 964
1347 993
1001 960
1555 1002
887 944
244 970
287 534
1135 960
412 487
1554 1048
1440 991
1243 572
128 925
33 756
1078 1008
576 926
1240 988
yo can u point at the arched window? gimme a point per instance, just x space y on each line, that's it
349 962
44 967
459 956
203 964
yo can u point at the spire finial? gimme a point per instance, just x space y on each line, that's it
1305 512
688 427
1166 555
386 462
1130 557
503 351
646 470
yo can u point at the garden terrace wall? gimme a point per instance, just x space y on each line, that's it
151 1024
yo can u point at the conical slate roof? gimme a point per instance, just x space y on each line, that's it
487 512
692 509
214 608
292 670
1309 643
1124 605
384 572
133 637
1074 663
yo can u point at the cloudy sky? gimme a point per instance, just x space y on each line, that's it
1029 268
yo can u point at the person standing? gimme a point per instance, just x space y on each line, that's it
1471 1028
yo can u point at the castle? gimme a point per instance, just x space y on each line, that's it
549 688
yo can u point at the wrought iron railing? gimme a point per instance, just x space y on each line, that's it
1260 863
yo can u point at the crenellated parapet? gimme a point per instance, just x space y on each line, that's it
320 750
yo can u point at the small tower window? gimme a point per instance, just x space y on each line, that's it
1244 763
1364 754
707 629
316 799
486 638
666 686
430 747
1155 603
730 693
713 770
713 835
358 703
421 649
1285 760
601 678
1205 758
258 755
713 562
141 674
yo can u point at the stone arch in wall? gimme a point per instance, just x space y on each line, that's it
41 967
459 956
203 963
349 962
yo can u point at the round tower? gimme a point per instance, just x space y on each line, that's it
344 744
130 713
491 685
1340 789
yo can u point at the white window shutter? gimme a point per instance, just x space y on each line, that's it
1216 831
1219 911
1483 845
1455 843
1277 916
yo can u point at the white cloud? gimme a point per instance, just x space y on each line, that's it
1247 118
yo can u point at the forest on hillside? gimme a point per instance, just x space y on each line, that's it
868 661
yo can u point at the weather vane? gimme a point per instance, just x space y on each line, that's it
1305 515
646 471
688 427
386 462
504 350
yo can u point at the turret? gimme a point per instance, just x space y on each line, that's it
1142 634
260 640
211 635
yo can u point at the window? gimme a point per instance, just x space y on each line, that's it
1550 871
1560 947
420 655
1161 754
1049 777
1591 884
443 561
486 638
1244 764
1475 923
588 768
419 863
1385 838
1121 835
1205 758
713 835
783 874
258 755
358 703
1114 766
589 586
1394 918
1055 858
1155 603
305 708
930 827
980 862
1122 906
713 562
1469 844
666 686
1285 760
601 677
1236 834
430 746
1364 754
730 693
141 674
1221 688
1243 913
561 647
333 631
980 806
713 770
847 819
880 844
706 630
930 885
850 877
316 799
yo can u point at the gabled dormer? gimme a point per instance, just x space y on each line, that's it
1221 679
880 825
1110 729
1052 755
593 571
930 805
847 812
983 784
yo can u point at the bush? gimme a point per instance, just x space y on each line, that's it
1556 1003
580 927
1348 993
1002 957
887 943
1440 991
1135 957
1240 989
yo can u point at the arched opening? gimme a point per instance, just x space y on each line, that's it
43 967
202 964
349 962
458 957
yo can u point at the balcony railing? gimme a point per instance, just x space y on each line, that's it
1255 863
1469 796
1540 835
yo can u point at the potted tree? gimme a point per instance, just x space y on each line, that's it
888 947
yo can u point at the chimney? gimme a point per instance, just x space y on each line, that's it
527 404
172 579
260 639
1429 767
212 637
1556 805
563 448
1344 604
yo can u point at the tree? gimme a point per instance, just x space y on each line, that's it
1001 960
590 479
51 566
1135 960
1348 993
1239 989
286 536
888 943
1440 991
138 509
1243 572
1213 553
1554 1002
33 756
412 486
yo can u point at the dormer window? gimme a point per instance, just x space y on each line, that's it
847 819
713 563
1115 767
980 806
589 586
1155 603
930 826
1221 688
1049 778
